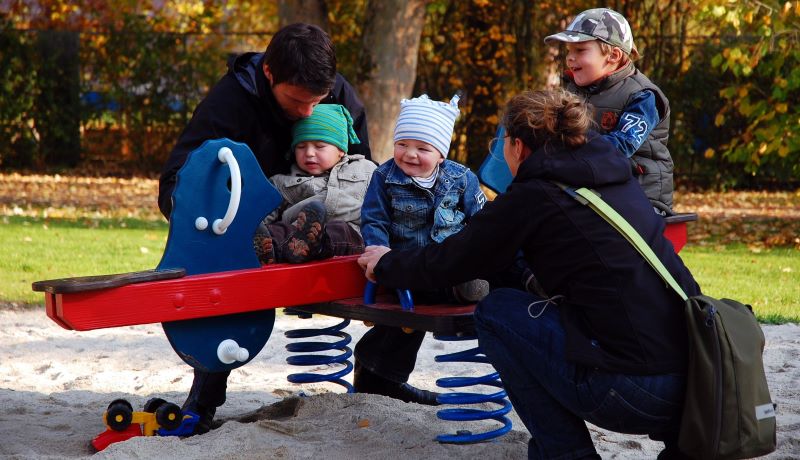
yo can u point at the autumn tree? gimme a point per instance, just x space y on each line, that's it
762 99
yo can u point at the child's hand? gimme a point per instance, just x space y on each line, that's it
370 258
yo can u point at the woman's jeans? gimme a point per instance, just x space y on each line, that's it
552 396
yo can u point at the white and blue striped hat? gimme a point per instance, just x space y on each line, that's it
428 121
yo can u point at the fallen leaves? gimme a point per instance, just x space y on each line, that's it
755 218
78 197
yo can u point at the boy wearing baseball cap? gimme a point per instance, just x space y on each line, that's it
630 110
415 198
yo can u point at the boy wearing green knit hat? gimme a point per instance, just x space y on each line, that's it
320 216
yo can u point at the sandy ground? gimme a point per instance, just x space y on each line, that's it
55 385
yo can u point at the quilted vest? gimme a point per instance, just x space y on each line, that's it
652 163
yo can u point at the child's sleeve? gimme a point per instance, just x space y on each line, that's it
635 123
376 213
474 199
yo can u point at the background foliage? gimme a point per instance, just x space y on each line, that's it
128 75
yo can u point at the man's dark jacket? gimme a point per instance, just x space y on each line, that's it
618 314
242 108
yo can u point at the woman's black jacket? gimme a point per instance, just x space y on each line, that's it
618 314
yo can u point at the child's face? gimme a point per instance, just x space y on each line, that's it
588 63
316 157
416 158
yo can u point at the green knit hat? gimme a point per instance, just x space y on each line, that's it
329 123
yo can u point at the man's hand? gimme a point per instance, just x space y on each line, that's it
370 258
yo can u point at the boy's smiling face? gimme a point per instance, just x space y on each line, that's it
588 64
416 158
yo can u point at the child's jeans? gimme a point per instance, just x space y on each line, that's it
553 397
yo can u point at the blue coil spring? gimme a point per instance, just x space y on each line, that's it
320 359
472 355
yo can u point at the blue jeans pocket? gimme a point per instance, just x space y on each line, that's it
628 408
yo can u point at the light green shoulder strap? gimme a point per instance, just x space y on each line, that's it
592 199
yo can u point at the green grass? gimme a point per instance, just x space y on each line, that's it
34 249
767 279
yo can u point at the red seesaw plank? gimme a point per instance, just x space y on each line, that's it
211 294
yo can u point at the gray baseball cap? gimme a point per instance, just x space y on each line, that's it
597 24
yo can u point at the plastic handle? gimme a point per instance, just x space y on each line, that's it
221 225
404 295
229 351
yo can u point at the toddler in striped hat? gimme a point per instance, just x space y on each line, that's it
419 196
322 194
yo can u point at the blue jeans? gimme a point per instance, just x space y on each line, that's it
554 397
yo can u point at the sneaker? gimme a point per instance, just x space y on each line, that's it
471 291
366 381
305 243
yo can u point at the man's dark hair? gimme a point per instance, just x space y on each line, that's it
302 55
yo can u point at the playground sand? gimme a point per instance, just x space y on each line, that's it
55 385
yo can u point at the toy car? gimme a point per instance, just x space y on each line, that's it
159 418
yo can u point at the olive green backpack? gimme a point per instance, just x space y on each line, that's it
728 412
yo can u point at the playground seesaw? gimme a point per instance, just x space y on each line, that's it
216 303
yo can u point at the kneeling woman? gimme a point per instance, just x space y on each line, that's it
608 345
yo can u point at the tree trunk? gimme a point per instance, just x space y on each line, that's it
388 66
308 11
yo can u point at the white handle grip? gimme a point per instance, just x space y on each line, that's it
229 351
221 225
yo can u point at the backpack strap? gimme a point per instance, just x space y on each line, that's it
592 199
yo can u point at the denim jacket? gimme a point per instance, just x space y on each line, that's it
400 214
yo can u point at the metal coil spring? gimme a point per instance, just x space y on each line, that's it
473 355
320 359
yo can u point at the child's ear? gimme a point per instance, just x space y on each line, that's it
615 56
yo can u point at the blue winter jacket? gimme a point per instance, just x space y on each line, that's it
400 214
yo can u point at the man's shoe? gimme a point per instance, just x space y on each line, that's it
206 415
408 393
366 381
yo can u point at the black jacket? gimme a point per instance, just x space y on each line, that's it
618 314
242 108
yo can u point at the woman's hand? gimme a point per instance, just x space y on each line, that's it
370 258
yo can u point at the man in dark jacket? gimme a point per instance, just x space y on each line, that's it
255 103
259 98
